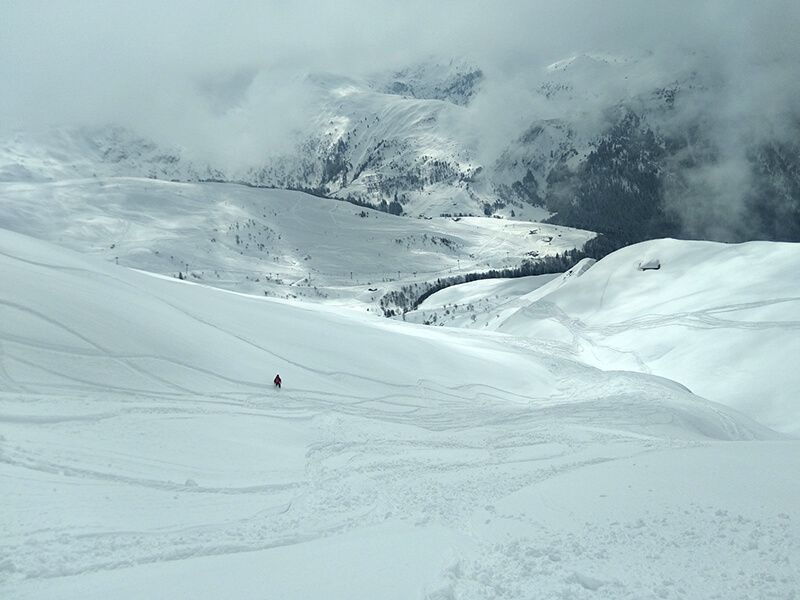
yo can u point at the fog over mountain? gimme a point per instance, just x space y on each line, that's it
236 85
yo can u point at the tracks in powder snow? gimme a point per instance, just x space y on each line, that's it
437 455
699 319
114 458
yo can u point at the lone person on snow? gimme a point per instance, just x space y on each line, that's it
277 381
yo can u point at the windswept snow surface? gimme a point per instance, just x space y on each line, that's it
145 454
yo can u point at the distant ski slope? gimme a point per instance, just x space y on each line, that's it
144 453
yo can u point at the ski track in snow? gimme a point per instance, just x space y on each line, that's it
699 319
327 483
399 485
428 474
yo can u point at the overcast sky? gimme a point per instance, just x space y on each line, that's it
169 68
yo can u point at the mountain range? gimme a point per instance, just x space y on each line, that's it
585 148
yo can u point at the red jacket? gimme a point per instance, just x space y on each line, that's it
277 380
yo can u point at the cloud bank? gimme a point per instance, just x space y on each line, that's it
159 62
228 80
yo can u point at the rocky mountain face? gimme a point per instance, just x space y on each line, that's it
658 165
387 142
630 162
638 182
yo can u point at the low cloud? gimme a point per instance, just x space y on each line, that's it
229 81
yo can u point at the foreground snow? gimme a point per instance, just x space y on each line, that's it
145 454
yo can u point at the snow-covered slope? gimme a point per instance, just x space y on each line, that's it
721 319
480 304
144 453
271 242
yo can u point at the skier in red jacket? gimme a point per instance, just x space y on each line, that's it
277 381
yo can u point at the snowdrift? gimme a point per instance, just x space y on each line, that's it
723 319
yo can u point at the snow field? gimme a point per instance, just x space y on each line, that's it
144 452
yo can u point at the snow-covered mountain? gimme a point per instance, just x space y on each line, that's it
376 146
456 82
368 140
635 153
144 453
613 144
